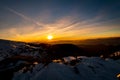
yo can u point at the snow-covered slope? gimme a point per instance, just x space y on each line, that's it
8 48
11 48
17 62
93 68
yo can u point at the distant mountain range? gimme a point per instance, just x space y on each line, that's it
105 41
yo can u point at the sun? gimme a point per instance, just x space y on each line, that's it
49 37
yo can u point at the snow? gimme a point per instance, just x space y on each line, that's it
11 48
99 69
88 68
68 59
93 68
8 48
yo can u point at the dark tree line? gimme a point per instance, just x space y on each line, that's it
63 50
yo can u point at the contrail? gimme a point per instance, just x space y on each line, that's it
67 27
24 17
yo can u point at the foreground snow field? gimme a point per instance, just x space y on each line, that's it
93 68
20 61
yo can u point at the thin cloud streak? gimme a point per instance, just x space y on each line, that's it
24 17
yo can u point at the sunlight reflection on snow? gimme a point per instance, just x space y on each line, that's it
35 63
118 76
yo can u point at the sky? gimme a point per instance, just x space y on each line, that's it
34 20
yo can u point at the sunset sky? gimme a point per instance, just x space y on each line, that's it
34 20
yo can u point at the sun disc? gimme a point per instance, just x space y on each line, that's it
49 37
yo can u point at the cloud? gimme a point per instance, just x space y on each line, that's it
24 17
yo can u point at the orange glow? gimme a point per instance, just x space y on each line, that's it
35 63
79 31
57 61
118 75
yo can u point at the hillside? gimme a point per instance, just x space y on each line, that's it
34 61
